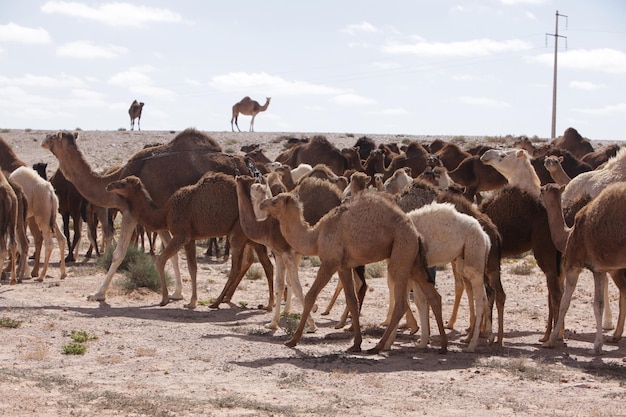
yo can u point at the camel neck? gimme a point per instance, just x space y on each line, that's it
559 231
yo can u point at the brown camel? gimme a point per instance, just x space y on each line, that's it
414 157
365 145
476 177
571 165
135 113
522 221
599 157
317 151
596 241
188 157
248 107
554 166
451 155
337 240
199 211
9 162
573 142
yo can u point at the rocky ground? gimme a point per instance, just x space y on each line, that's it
147 360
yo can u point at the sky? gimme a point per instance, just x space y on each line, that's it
413 67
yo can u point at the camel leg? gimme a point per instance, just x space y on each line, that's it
279 288
22 249
324 273
240 251
333 299
66 231
291 262
479 299
38 238
171 249
192 265
398 304
78 227
607 320
178 285
495 282
571 279
420 274
422 310
459 288
252 123
12 252
600 281
548 262
127 228
61 242
268 267
48 244
619 278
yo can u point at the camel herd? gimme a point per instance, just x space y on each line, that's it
416 207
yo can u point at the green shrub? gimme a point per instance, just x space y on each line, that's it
74 349
138 267
375 270
10 323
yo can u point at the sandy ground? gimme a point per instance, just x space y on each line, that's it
146 360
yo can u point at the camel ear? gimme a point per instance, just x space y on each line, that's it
560 159
75 135
521 153
59 134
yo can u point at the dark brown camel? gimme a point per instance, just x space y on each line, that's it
476 177
597 158
571 165
135 113
451 155
317 151
573 142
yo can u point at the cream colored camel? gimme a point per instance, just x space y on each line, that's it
597 242
514 165
187 157
135 113
593 182
398 181
450 236
199 211
43 206
248 107
265 230
337 239
554 167
8 226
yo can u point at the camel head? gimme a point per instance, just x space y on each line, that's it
59 140
503 158
434 161
279 204
358 182
258 194
126 186
272 166
552 161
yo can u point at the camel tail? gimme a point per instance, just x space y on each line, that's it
421 259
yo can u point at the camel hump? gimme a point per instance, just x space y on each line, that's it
188 140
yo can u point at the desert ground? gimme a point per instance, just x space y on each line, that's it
147 360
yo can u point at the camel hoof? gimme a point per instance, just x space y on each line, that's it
548 345
291 343
443 350
374 351
449 327
164 302
190 306
63 276
613 339
357 349
176 297
39 279
413 330
325 313
215 305
314 309
271 326
422 345
95 297
310 329
608 326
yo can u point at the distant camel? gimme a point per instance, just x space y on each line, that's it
248 107
596 241
8 226
135 113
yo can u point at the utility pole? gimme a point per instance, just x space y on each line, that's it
556 46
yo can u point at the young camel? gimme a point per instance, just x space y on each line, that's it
596 241
450 236
135 113
337 240
265 230
185 216
554 167
42 209
248 107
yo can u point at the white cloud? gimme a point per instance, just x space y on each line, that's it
475 47
530 16
585 85
513 2
481 101
363 27
21 34
604 60
350 99
39 81
263 83
396 111
386 65
113 14
87 50
139 82
610 110
463 77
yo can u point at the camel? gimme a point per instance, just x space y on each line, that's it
476 177
317 151
248 107
596 241
135 113
450 236
265 230
42 209
20 231
414 157
336 240
571 165
9 162
188 156
353 156
599 157
398 181
8 226
324 172
514 165
451 155
364 145
185 216
593 182
522 221
439 177
300 171
573 142
554 167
